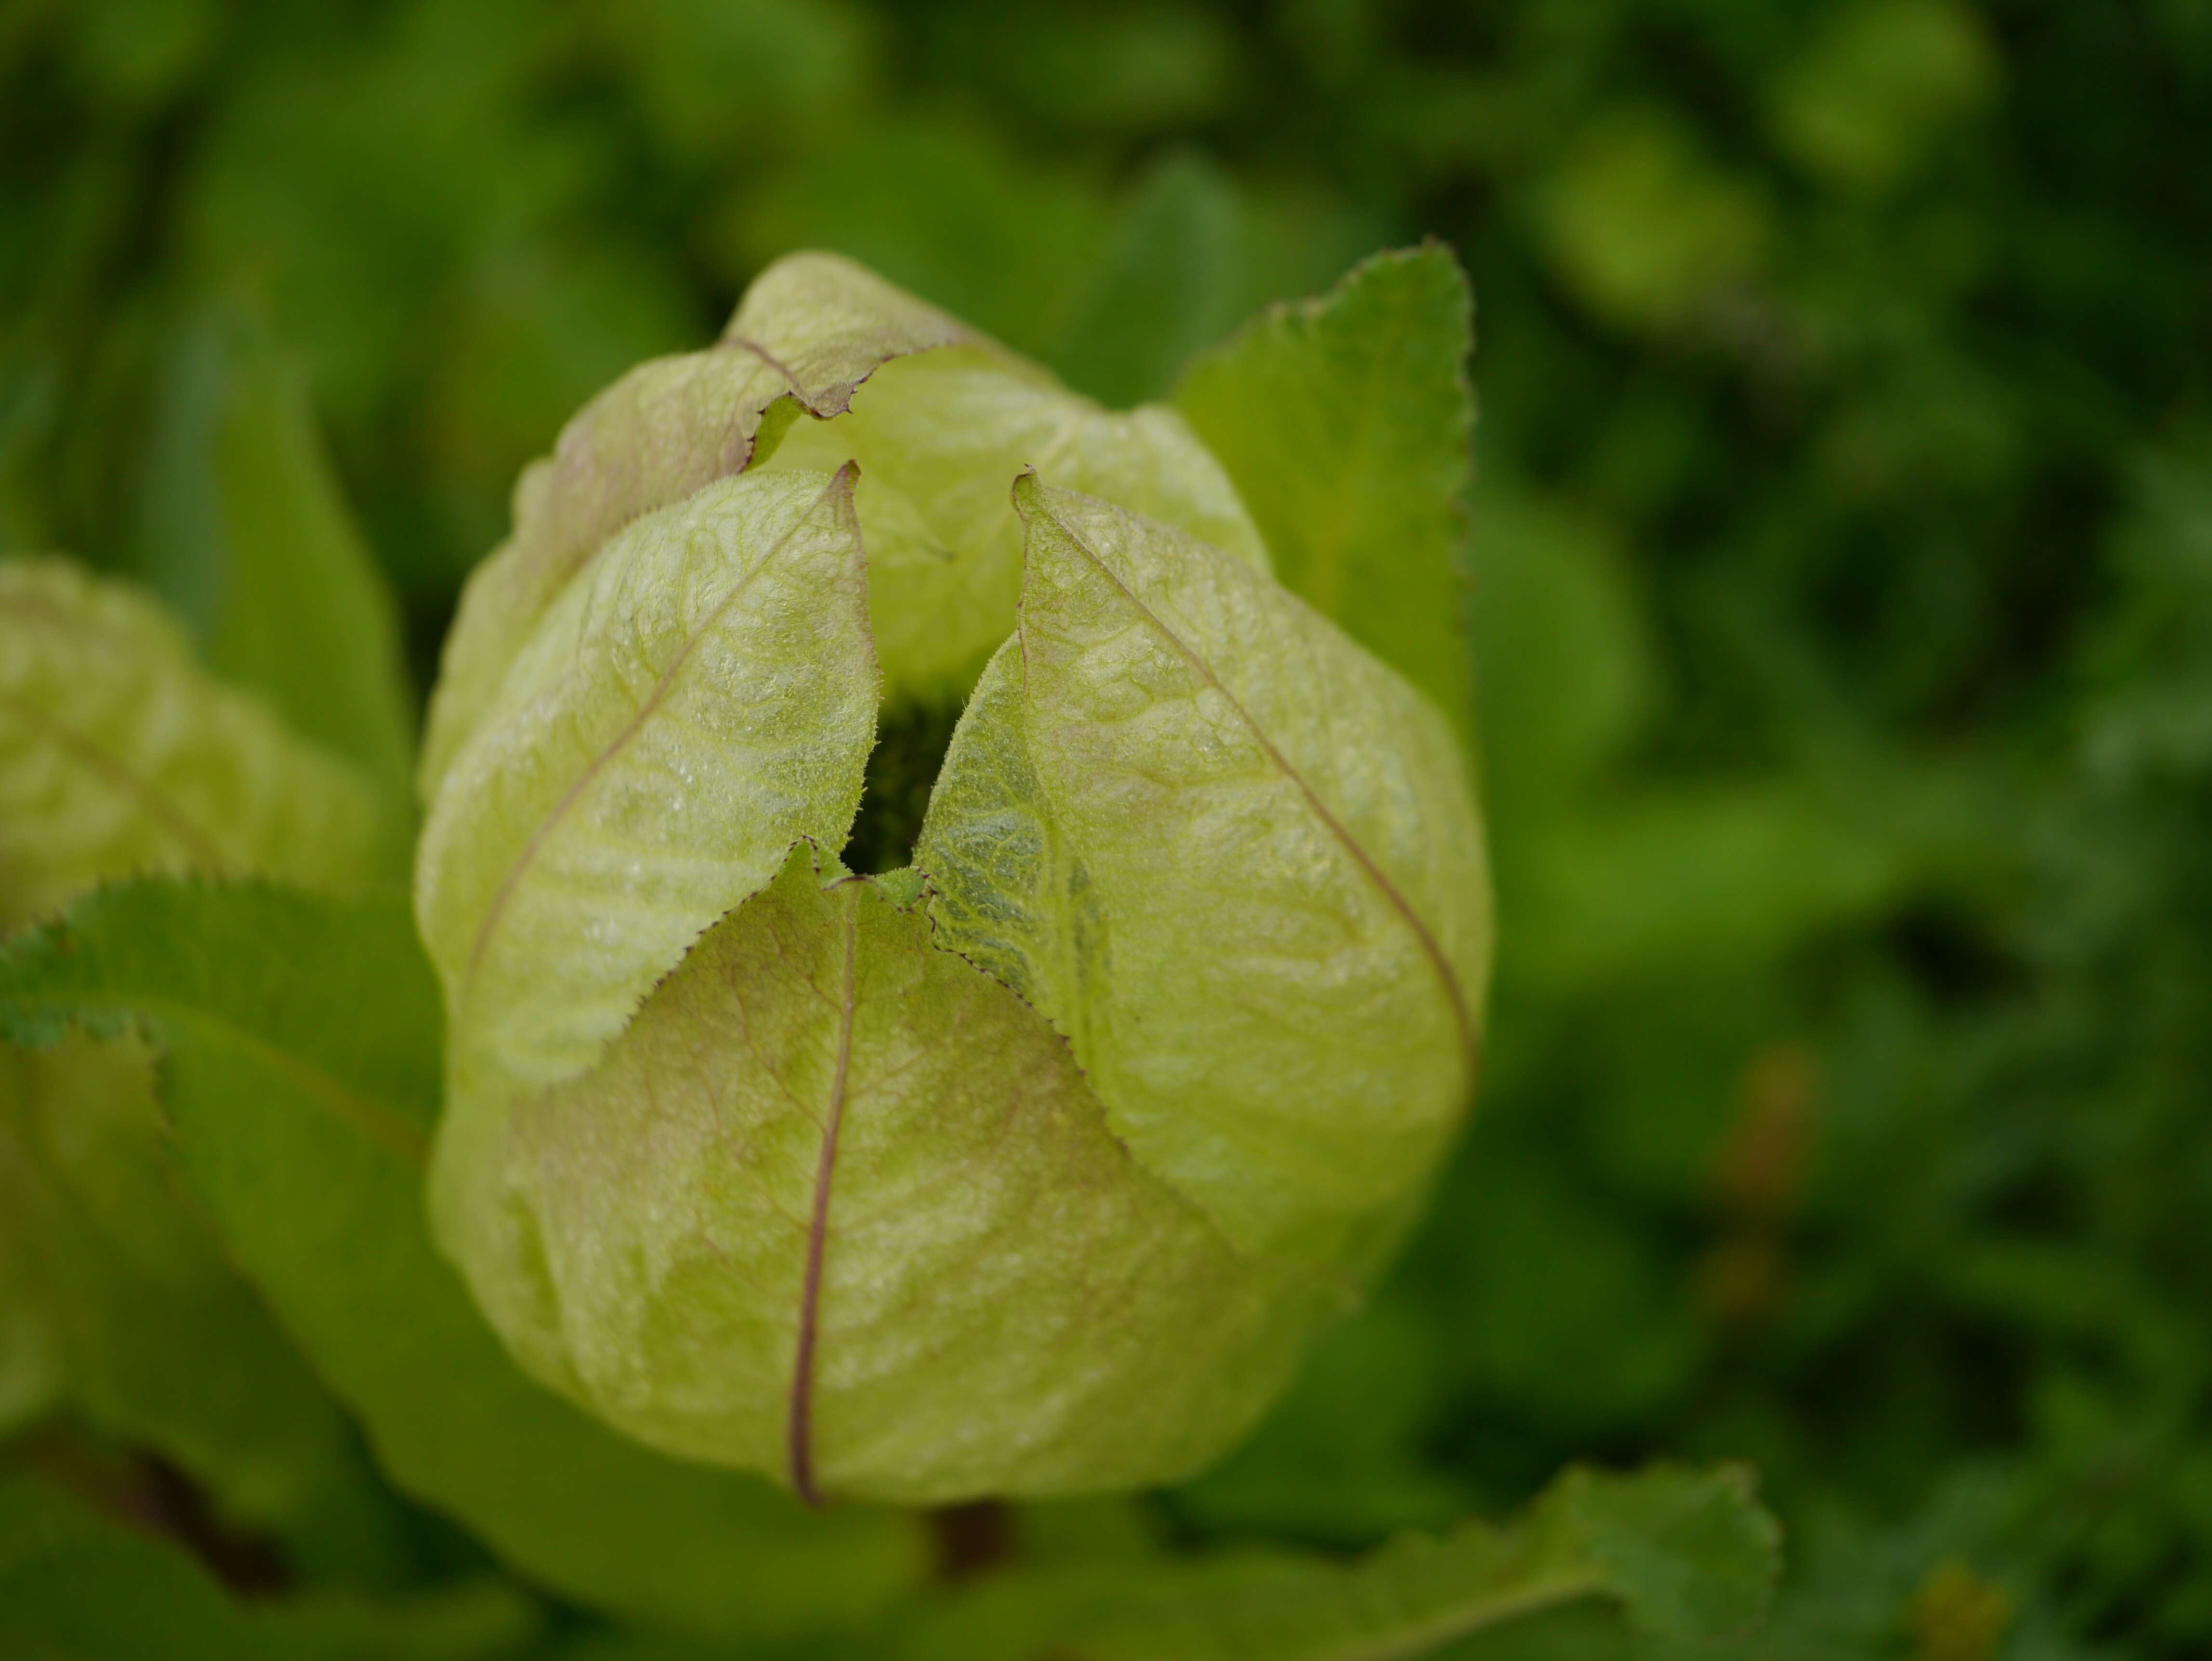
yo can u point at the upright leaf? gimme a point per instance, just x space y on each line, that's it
811 327
939 437
839 1208
246 529
302 1074
1235 860
119 754
701 699
1346 423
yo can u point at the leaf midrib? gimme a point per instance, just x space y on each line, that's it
801 1422
496 912
1454 995
121 777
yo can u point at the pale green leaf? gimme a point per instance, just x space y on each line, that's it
839 1208
699 699
246 529
1683 1553
1234 859
702 697
76 1587
120 755
812 326
1346 423
116 1285
300 1045
940 438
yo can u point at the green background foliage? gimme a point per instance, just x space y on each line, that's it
1841 578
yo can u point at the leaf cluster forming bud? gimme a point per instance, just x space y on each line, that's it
1029 1170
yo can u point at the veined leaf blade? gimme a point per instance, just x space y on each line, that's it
272 1005
1346 423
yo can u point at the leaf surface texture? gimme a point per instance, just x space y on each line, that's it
840 1207
302 1074
1233 858
1346 424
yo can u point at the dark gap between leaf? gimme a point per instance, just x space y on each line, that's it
910 744
150 1494
971 1539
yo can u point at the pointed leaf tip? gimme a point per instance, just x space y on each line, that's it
1185 816
1346 422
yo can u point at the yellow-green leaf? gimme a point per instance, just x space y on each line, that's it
119 755
811 327
940 437
1234 859
701 698
840 1208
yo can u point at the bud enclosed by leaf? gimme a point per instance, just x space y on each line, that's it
1027 1171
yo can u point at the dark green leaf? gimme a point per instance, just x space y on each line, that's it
245 529
1684 1553
75 1586
113 1287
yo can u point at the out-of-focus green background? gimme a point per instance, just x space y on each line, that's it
1843 591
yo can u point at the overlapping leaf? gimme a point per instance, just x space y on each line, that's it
701 698
839 1208
302 1074
1234 858
118 754
1346 423
939 437
813 327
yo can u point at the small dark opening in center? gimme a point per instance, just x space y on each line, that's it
910 744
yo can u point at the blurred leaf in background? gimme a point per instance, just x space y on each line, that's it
245 530
1837 574
73 1583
